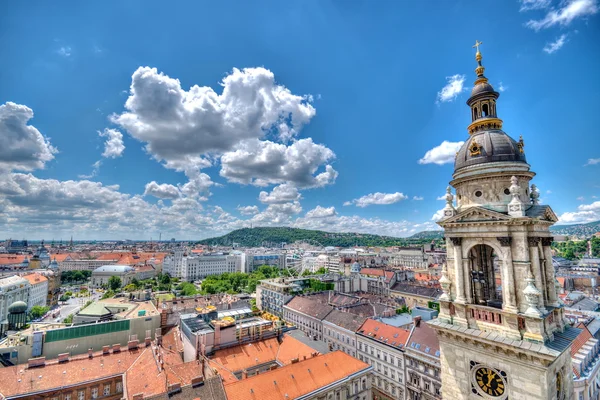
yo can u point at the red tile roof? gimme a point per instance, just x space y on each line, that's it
35 278
295 380
378 273
384 333
11 259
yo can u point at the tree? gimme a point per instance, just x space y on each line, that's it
188 289
114 283
64 298
69 319
38 311
135 283
78 276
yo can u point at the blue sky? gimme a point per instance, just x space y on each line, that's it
129 119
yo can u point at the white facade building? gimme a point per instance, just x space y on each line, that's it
13 288
38 290
201 266
381 346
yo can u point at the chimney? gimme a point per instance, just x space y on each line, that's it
244 374
138 396
197 381
90 353
105 350
36 362
417 320
116 348
148 341
295 360
272 367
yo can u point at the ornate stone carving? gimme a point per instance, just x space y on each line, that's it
516 208
532 295
547 241
456 241
534 195
504 241
449 210
533 241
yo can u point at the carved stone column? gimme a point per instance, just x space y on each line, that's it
466 266
536 269
508 276
459 270
550 272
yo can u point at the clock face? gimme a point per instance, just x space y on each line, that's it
490 382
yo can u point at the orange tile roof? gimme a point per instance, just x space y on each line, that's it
295 380
10 259
144 376
292 348
238 358
20 379
581 339
384 333
60 257
561 280
378 272
35 278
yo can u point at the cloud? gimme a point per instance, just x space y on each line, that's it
592 161
113 146
453 88
439 214
569 11
283 193
248 210
502 88
162 191
527 5
261 163
321 212
64 51
418 198
556 45
96 168
585 213
174 122
378 198
23 147
442 197
581 198
443 154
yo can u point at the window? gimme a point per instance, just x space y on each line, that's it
94 393
81 395
119 387
67 396
106 391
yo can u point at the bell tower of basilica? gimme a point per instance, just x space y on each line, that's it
501 326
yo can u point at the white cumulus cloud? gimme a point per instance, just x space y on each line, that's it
283 193
162 191
378 198
527 5
552 47
321 212
585 213
248 210
592 161
453 88
22 146
442 154
113 146
569 11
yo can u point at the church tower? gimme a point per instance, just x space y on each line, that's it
501 326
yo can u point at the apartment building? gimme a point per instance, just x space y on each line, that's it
382 346
422 360
339 331
38 290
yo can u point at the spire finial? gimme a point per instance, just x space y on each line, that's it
479 70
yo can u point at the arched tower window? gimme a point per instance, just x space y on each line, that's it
485 276
485 110
474 113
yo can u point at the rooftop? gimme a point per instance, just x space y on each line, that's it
424 339
384 333
295 380
309 306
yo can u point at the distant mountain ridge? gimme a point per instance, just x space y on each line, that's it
274 236
581 230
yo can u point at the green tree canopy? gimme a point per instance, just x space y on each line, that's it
38 311
114 283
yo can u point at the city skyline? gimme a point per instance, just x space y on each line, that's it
125 124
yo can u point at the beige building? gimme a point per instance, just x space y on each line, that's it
501 328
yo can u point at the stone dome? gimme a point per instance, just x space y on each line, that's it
481 88
355 267
17 307
490 146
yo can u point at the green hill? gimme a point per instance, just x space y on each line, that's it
267 236
581 230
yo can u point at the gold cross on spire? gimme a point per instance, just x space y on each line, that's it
477 44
